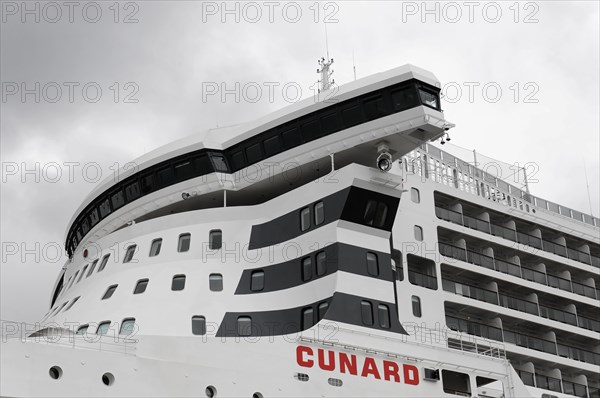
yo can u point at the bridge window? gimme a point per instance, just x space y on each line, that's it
129 253
319 213
155 247
103 263
141 286
109 292
104 208
375 213
257 281
372 264
147 184
404 98
184 242
428 98
132 191
178 283
198 325
254 153
215 239
456 383
184 171
366 310
127 326
118 200
272 145
215 282
94 218
164 177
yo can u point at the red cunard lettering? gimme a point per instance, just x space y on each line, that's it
300 351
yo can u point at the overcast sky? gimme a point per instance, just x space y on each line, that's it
521 84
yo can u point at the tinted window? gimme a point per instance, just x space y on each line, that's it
272 145
198 325
366 311
155 247
109 292
129 253
416 306
306 269
184 171
254 153
140 286
118 200
352 116
94 218
305 219
418 233
244 326
257 281
92 268
147 184
291 138
218 162
311 130
132 191
404 99
428 98
238 160
307 318
178 282
164 177
384 316
372 264
319 213
374 108
323 307
321 263
104 208
415 196
215 282
127 326
184 242
375 213
331 123
215 239
85 226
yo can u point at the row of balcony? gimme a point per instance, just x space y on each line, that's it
534 343
516 236
506 267
557 385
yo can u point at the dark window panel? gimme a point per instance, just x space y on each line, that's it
352 116
109 292
323 307
366 311
308 318
331 123
141 286
104 208
198 325
321 263
372 264
306 269
273 145
178 283
147 184
311 130
238 161
244 326
183 245
117 200
291 138
305 219
375 108
254 153
202 165
319 213
184 171
132 191
404 98
215 282
219 163
384 316
215 239
164 177
94 217
257 281
155 247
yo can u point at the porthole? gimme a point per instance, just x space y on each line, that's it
108 379
301 377
55 372
335 382
210 392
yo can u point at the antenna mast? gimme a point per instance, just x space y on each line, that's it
324 65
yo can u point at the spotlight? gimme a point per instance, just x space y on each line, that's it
448 137
185 196
384 158
442 142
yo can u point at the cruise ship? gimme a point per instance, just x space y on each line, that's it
326 249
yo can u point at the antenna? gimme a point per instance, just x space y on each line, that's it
324 68
326 42
353 65
587 183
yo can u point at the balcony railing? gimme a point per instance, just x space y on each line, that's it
421 279
518 304
533 343
473 292
548 383
519 271
515 236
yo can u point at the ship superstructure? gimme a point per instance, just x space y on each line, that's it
323 250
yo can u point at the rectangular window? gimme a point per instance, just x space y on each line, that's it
94 218
384 316
147 184
254 153
310 130
141 286
127 326
215 239
104 208
416 306
366 311
198 325
456 383
184 242
291 138
331 123
85 226
109 292
404 98
164 177
257 281
308 318
238 161
178 283
103 263
305 219
272 145
129 253
323 307
132 191
215 282
374 108
184 171
306 269
117 200
429 99
321 263
155 247
375 213
352 116
372 264
244 326
103 328
92 267
319 213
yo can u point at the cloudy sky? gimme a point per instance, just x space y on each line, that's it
96 85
